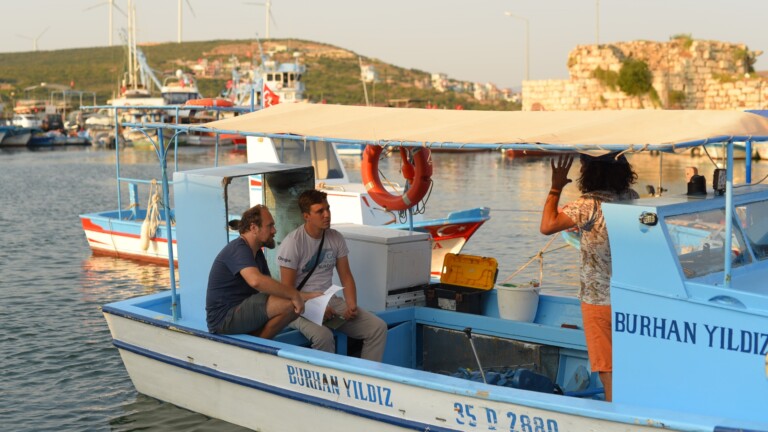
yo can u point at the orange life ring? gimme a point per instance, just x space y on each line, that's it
210 102
418 175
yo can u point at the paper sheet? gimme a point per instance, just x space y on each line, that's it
314 309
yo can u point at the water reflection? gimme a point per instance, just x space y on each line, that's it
146 413
106 277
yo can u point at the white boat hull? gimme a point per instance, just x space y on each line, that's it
108 235
687 364
18 139
280 387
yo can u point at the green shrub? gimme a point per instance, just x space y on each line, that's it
635 78
606 77
723 78
743 55
676 98
654 97
685 38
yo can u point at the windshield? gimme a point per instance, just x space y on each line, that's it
321 155
753 219
699 239
178 98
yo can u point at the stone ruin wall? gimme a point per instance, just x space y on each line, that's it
707 74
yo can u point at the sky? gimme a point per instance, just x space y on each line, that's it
469 40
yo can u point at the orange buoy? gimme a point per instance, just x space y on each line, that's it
210 102
418 174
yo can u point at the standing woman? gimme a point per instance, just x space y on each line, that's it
603 179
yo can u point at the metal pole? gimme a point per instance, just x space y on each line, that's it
362 78
176 143
527 50
527 42
111 10
269 14
117 164
748 164
175 310
661 172
597 22
468 332
178 35
728 216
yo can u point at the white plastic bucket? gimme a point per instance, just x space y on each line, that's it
518 303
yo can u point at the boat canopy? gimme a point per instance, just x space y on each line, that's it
595 132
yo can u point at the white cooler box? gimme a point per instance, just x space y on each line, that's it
385 260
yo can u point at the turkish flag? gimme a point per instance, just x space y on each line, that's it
269 97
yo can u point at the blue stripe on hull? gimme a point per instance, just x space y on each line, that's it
278 391
266 349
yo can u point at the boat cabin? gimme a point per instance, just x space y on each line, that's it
686 337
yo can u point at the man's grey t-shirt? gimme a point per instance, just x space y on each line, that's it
298 251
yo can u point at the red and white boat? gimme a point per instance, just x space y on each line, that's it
124 233
352 203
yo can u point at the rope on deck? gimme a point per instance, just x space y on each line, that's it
539 256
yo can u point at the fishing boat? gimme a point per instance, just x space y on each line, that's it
179 88
689 338
119 232
269 82
205 111
40 138
15 136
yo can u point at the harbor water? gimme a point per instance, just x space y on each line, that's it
58 368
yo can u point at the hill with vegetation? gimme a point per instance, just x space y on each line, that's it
333 73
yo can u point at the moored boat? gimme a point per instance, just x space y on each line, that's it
688 336
15 136
353 203
202 114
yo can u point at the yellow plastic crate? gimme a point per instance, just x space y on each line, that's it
469 271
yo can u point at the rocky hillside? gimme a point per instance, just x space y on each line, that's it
333 73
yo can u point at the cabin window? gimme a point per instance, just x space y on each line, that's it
178 98
321 155
753 219
699 239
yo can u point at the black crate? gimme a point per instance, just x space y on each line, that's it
454 297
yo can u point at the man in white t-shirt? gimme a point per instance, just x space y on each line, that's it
299 255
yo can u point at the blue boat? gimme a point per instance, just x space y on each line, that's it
690 311
15 136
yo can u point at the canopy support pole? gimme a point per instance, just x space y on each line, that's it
728 216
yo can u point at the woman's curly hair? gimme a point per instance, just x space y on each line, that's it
609 172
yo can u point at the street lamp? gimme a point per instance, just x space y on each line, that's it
597 22
527 42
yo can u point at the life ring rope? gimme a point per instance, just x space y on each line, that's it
418 174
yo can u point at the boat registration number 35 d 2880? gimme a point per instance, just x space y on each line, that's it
467 415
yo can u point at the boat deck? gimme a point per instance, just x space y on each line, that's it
432 339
